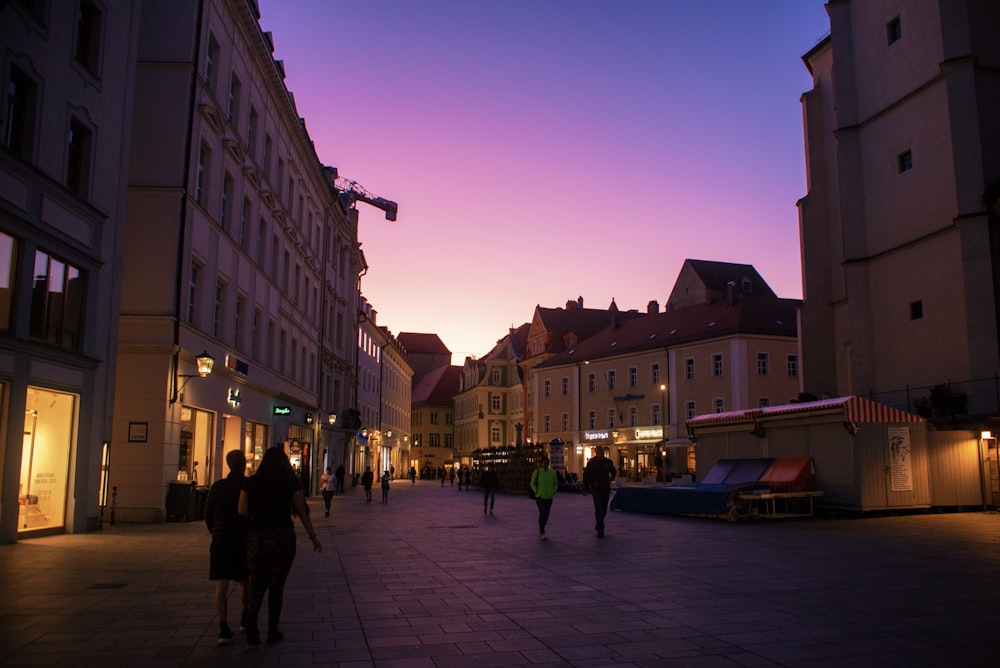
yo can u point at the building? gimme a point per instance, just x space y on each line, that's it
900 249
424 352
68 71
730 344
396 406
489 405
238 246
432 419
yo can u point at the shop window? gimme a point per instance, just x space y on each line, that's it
197 444
56 303
8 257
254 444
49 425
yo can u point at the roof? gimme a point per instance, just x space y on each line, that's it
854 409
752 314
414 342
437 386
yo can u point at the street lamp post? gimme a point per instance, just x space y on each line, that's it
663 427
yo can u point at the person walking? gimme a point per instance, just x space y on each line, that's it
413 475
268 499
451 475
340 474
544 484
441 475
490 483
367 478
597 477
228 552
386 477
327 485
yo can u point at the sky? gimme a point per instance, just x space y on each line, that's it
545 150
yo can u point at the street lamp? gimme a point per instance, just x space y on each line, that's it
204 363
663 427
331 418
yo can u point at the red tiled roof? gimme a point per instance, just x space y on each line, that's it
437 386
415 342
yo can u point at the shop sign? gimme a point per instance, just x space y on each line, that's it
595 435
650 433
282 410
237 365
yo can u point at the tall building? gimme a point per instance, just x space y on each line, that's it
237 246
68 70
899 227
432 419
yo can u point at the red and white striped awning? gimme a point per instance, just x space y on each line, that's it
855 409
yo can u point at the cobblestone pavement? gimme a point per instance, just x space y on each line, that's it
428 581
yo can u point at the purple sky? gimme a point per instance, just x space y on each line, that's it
550 149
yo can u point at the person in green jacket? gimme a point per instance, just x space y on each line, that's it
544 484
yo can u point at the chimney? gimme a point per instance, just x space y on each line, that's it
579 301
653 307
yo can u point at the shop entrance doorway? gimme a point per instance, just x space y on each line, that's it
49 428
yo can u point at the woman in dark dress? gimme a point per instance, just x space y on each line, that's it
268 499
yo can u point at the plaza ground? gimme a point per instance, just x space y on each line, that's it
428 581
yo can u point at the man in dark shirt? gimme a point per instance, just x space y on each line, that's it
228 554
597 477
490 483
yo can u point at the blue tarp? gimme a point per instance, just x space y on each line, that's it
714 496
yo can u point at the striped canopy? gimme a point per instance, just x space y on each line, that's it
854 409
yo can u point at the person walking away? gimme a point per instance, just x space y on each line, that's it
597 477
386 477
413 475
228 553
451 475
327 485
441 475
367 478
340 475
544 485
490 484
268 499
467 476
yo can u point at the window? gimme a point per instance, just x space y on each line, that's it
284 271
633 376
495 434
591 382
8 258
78 157
261 236
212 61
546 388
565 421
56 302
268 149
717 367
255 332
611 418
905 161
88 35
242 234
218 313
241 304
893 30
612 382
916 310
565 386
763 402
762 364
496 376
252 130
282 342
233 109
201 178
496 404
654 372
689 368
592 420
435 440
792 365
689 410
193 293
546 426
434 417
19 130
226 215
720 406
656 419
633 416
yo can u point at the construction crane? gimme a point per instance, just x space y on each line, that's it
351 193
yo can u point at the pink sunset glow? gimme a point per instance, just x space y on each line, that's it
545 150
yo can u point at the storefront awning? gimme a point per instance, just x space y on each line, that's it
854 409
